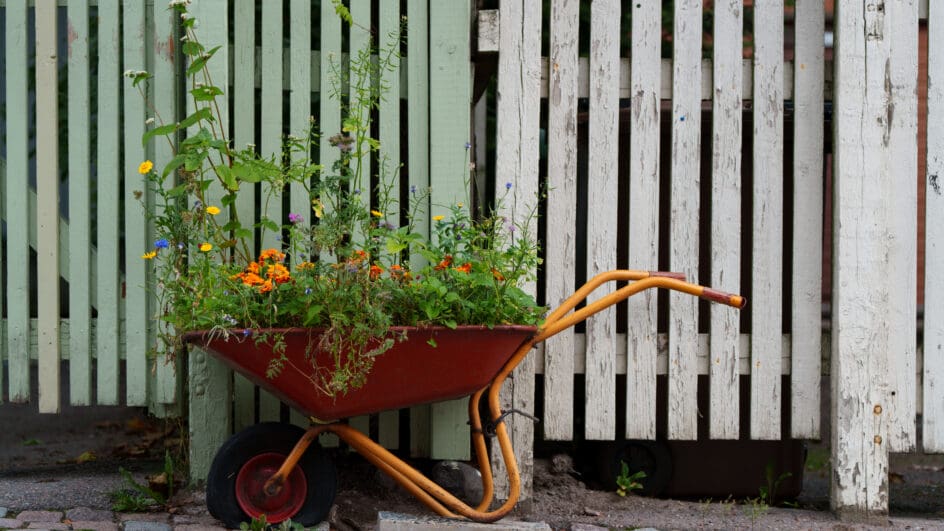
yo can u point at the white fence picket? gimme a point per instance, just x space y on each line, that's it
902 130
562 220
17 210
80 243
726 218
684 222
47 204
644 152
807 296
767 235
109 173
603 179
933 374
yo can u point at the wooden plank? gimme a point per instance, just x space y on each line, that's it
210 382
271 145
724 410
684 224
17 213
164 98
389 129
47 205
450 127
244 126
859 454
80 243
933 375
561 191
300 120
360 40
767 236
643 219
601 219
807 296
134 40
329 111
417 71
517 192
109 173
665 91
208 427
902 130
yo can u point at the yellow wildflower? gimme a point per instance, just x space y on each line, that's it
150 255
145 167
205 247
212 210
438 218
376 213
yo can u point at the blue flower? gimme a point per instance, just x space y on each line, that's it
307 291
180 246
468 145
412 188
162 244
246 332
508 186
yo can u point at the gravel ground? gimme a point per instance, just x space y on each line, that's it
72 460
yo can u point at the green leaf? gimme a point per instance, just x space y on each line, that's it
161 130
228 199
192 48
432 342
394 245
232 225
177 191
450 323
206 93
269 224
243 233
312 314
246 173
203 113
226 175
173 165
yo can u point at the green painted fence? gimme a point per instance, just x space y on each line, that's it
72 126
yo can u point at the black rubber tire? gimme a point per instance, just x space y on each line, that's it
651 457
270 437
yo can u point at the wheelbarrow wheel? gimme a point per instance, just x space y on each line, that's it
235 491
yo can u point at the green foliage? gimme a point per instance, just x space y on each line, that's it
139 497
626 482
355 264
768 492
260 524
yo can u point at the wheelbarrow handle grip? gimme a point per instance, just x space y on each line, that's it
714 295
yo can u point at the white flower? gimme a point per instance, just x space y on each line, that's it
149 121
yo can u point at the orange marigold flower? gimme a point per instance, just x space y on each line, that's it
497 274
278 273
446 262
271 254
465 268
304 266
253 267
251 279
266 286
375 271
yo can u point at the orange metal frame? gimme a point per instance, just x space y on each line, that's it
434 496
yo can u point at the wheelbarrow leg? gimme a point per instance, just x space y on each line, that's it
274 485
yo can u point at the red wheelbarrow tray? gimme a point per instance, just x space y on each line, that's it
425 364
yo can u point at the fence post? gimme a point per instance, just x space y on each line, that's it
863 231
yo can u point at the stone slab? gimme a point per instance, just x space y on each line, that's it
10 523
100 525
87 514
3 512
143 525
387 521
40 516
49 526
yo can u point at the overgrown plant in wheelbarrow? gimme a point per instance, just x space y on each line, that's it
350 308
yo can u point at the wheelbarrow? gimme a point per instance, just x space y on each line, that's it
273 469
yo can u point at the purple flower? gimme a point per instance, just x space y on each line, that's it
508 186
197 205
307 291
412 188
246 332
468 145
180 246
294 218
162 244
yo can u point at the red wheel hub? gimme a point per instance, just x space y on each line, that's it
251 494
